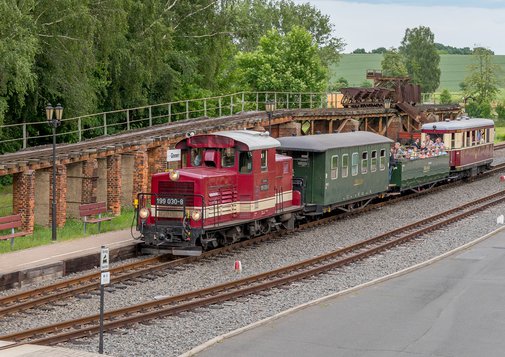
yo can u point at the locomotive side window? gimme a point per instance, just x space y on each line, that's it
354 163
345 165
382 162
196 157
228 157
364 162
264 161
334 167
373 161
245 162
453 140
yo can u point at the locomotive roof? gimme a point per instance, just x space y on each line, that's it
459 124
324 142
255 140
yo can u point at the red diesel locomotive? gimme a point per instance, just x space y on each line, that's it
231 185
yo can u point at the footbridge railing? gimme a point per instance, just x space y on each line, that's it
14 137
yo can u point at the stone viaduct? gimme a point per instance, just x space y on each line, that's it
115 168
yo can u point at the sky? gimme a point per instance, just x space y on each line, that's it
382 23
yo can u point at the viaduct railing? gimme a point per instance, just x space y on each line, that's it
20 136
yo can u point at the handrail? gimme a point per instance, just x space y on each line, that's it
76 129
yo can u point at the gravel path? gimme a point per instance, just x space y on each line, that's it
173 336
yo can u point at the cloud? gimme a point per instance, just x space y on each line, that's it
370 25
487 4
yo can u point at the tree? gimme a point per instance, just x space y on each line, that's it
379 50
500 110
359 51
18 48
392 64
445 97
341 83
288 62
482 82
421 58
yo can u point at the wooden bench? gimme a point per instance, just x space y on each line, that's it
11 222
92 213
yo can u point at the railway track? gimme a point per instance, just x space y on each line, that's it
158 266
168 306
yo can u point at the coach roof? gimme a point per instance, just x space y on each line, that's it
459 124
324 142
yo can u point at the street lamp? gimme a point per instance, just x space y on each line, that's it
270 107
54 122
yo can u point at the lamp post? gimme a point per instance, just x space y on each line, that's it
270 107
54 122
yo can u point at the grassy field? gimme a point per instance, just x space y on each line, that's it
454 68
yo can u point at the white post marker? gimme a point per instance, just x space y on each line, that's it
104 280
104 259
500 219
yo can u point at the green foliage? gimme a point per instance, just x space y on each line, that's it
445 97
359 50
393 64
478 110
482 82
421 58
500 110
288 62
380 50
445 49
18 47
339 84
366 84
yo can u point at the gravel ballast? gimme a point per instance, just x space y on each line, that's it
175 335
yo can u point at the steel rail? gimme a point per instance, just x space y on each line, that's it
71 287
242 287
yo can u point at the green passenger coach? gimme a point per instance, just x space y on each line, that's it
338 171
419 174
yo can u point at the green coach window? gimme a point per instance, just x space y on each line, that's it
354 164
383 160
373 161
345 165
334 167
364 162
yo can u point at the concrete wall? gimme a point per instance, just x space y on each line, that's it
42 199
127 172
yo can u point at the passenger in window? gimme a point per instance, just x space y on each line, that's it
428 142
439 143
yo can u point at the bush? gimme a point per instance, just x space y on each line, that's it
476 110
500 111
445 97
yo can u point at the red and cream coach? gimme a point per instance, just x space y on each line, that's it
231 185
469 143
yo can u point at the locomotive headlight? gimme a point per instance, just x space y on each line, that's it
196 215
174 175
143 213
